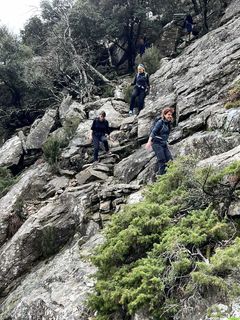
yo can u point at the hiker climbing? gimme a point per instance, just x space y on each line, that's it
141 88
158 140
188 25
99 132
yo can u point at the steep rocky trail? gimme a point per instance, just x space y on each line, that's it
50 223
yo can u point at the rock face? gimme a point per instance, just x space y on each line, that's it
10 200
196 79
11 152
50 224
65 284
40 130
222 160
129 168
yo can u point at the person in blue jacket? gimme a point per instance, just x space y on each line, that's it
158 139
99 133
141 88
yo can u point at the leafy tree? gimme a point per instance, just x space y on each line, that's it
34 35
13 56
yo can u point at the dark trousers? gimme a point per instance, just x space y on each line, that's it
140 93
96 145
163 156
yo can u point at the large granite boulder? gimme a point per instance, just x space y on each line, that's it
127 169
206 144
40 236
75 112
82 135
41 129
16 193
221 160
55 290
114 117
11 152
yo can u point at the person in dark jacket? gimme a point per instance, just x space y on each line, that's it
99 132
158 139
188 25
141 88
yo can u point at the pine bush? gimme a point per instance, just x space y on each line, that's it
163 249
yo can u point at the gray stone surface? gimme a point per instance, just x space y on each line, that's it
114 117
206 144
55 290
17 192
40 130
127 169
69 111
195 79
11 152
234 209
82 135
41 235
222 160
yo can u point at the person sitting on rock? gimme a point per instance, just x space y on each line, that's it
141 88
159 137
99 132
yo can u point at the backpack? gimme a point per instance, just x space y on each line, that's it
154 123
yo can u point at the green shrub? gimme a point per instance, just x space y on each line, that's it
52 150
70 127
6 180
231 105
107 91
233 99
151 59
153 253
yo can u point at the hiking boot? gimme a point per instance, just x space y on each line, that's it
130 113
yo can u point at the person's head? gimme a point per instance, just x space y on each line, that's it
167 114
140 68
102 115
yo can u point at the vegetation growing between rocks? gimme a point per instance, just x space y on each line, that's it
52 150
173 245
6 180
150 59
233 100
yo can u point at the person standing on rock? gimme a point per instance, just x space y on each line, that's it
99 133
188 25
158 140
141 88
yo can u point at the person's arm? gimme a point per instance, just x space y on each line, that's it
92 129
155 130
107 129
134 81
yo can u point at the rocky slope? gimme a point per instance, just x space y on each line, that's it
45 272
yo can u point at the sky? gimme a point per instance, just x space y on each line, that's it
14 13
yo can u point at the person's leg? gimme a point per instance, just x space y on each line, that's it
96 144
133 98
168 155
105 143
160 154
141 99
